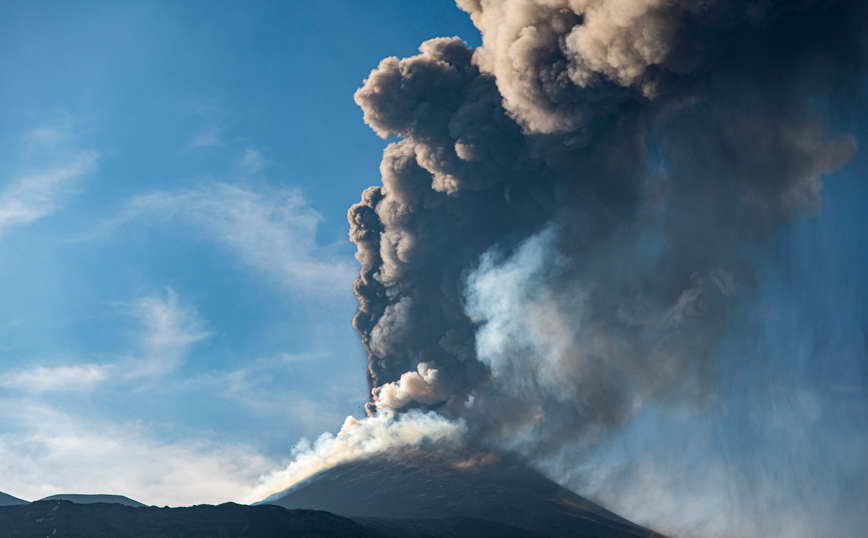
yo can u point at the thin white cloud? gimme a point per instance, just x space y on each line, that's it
273 232
214 116
49 135
170 329
40 194
206 139
252 161
51 166
255 388
44 451
63 378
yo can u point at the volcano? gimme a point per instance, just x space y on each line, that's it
396 492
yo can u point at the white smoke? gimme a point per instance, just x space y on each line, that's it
523 337
358 439
421 386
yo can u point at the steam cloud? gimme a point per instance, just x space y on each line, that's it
357 439
577 212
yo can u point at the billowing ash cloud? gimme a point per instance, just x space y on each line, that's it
577 212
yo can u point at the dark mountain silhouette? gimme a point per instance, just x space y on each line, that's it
91 499
406 493
454 488
64 519
9 500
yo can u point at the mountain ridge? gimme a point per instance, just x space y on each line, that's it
9 500
84 498
110 520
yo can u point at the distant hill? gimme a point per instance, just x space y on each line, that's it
91 499
65 519
456 488
9 500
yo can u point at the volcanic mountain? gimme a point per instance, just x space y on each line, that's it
9 500
455 488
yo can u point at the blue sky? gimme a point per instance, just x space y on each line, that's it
176 275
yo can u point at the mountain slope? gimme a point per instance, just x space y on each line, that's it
434 484
90 499
9 500
460 527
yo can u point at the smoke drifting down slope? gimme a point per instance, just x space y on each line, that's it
577 212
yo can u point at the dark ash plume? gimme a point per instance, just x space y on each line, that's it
577 212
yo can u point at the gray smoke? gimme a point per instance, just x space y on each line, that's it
577 212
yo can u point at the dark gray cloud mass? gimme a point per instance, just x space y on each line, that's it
578 211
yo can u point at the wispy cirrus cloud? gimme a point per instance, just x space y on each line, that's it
41 194
260 387
45 451
169 331
214 114
41 378
172 329
206 139
252 161
273 232
48 181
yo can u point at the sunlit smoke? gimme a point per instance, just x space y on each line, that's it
357 439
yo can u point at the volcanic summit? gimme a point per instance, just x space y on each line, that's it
407 484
